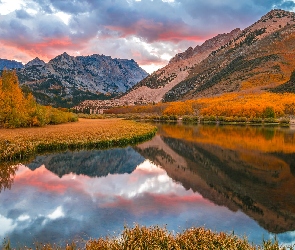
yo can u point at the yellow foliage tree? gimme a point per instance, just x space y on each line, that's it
18 110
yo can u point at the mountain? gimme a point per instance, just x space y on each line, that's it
67 80
260 57
10 64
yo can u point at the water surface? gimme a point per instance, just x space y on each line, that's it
225 178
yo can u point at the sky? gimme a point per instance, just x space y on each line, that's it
149 31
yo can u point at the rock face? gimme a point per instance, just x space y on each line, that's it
67 80
257 58
10 64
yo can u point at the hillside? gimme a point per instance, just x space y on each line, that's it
261 57
255 59
288 87
67 80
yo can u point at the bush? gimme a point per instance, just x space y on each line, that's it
159 238
208 118
255 120
270 120
190 119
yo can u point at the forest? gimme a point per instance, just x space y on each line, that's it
19 109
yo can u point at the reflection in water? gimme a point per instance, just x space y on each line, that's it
94 163
232 169
7 173
223 178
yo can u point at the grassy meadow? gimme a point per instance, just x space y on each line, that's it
22 143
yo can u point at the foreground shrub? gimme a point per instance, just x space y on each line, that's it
159 238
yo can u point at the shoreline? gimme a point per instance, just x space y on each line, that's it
22 143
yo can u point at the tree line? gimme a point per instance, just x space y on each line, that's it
19 109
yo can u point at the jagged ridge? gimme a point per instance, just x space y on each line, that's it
67 80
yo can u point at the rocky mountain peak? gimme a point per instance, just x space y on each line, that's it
277 13
69 79
35 62
269 23
62 57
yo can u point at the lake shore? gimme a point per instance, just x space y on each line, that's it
22 143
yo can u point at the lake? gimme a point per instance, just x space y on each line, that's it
238 179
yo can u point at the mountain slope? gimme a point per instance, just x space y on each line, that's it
262 56
257 58
288 87
67 80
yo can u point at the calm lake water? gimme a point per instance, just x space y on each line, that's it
225 178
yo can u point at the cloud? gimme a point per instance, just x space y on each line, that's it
46 28
22 14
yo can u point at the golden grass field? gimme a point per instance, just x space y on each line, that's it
86 133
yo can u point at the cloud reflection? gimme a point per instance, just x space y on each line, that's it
54 209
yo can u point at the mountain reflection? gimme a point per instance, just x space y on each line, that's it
95 163
245 168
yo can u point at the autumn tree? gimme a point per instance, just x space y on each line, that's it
13 111
19 110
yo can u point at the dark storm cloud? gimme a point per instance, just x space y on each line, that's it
157 20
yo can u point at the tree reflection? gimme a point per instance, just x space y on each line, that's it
7 174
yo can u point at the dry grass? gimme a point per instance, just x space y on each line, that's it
157 238
23 142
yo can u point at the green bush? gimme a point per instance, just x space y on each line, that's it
190 119
268 112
